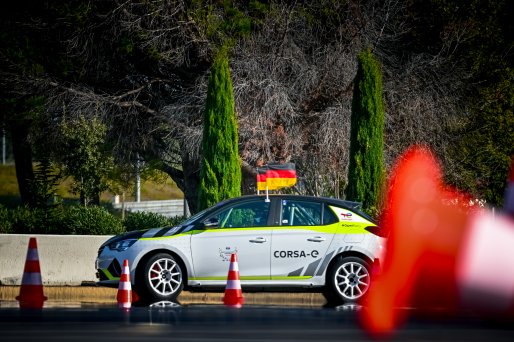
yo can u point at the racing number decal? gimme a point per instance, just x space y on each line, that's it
295 254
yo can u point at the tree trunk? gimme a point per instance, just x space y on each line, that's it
191 169
83 199
22 152
87 200
95 200
187 179
248 180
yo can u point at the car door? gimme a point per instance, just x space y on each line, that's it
241 228
299 244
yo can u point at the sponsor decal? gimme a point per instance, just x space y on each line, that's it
295 254
227 252
347 216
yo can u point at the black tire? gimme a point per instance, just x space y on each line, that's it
348 281
160 279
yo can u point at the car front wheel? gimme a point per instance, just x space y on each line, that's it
162 279
348 281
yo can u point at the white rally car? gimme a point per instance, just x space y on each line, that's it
282 242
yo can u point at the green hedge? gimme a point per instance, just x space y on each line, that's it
5 221
146 220
77 220
29 221
175 221
91 221
23 220
60 220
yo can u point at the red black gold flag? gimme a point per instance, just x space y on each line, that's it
276 176
261 178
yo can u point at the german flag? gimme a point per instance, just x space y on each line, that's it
261 178
276 176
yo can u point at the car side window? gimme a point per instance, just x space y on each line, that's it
328 216
243 215
301 213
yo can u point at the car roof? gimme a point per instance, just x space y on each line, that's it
350 205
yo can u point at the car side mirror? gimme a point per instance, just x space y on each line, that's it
211 222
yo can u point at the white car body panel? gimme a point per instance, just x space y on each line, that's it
293 249
271 256
216 245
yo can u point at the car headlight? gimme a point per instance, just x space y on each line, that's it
122 245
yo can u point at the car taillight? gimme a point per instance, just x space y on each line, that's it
377 231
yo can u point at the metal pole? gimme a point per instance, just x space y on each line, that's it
3 146
186 208
123 205
138 181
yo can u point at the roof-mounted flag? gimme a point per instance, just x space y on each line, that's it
261 178
276 176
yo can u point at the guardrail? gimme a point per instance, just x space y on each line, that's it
169 208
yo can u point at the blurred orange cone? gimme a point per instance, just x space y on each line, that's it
124 295
233 292
440 254
31 290
425 237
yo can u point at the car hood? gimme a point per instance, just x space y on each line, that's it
146 233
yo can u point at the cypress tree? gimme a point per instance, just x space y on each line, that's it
366 168
220 173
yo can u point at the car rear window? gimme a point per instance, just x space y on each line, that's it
301 213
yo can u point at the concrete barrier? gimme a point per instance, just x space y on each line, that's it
64 259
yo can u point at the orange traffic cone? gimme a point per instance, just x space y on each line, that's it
440 254
233 292
31 290
124 295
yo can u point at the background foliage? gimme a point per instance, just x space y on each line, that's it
82 155
220 174
147 220
142 70
366 169
77 220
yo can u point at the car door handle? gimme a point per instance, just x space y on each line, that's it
258 240
316 239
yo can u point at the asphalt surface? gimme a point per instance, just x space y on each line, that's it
218 323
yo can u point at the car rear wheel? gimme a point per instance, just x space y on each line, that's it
161 279
348 281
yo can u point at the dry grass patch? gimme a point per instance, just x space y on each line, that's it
8 181
160 187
